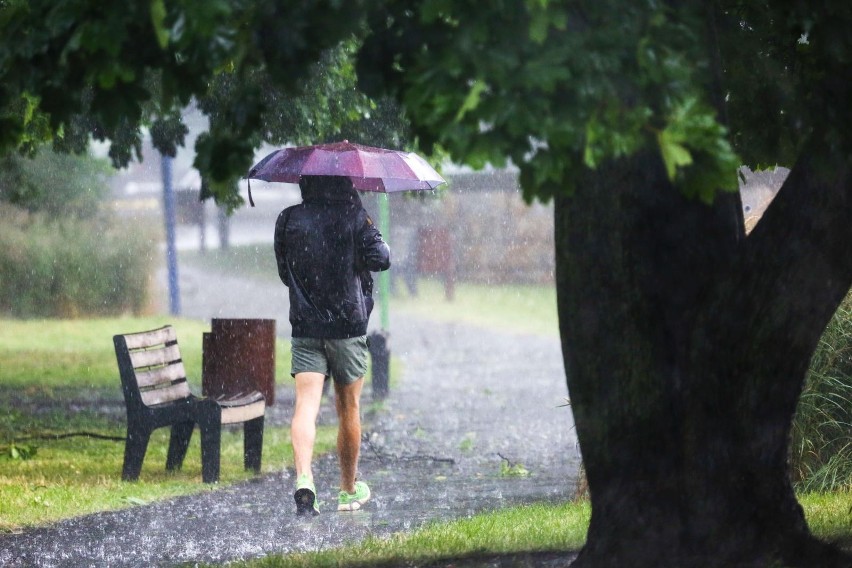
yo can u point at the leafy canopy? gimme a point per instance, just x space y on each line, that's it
554 86
562 86
325 105
82 68
557 87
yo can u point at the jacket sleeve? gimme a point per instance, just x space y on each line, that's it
280 245
373 251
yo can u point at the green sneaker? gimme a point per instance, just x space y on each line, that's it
353 501
306 496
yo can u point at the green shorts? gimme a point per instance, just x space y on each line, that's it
345 360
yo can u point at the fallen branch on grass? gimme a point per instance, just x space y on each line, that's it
382 456
64 435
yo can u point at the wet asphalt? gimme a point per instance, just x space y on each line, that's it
472 412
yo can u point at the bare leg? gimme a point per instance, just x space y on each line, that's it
347 399
303 428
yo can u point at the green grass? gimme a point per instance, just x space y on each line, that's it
59 377
80 353
821 453
829 515
255 261
532 527
76 476
511 307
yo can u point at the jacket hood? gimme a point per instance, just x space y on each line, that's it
328 188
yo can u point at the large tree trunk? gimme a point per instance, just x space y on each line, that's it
686 346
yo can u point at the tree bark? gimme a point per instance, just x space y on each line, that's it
686 346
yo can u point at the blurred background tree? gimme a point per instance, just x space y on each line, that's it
57 183
62 251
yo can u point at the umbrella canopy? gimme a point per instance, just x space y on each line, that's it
369 168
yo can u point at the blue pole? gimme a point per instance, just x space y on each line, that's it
171 251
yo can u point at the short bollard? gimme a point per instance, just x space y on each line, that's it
380 357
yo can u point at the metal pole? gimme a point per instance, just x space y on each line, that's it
378 340
384 277
171 251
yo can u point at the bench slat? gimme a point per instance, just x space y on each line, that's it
240 399
167 394
150 338
157 375
155 356
236 414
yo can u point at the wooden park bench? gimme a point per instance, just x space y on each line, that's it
157 394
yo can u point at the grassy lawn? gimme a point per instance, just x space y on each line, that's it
532 527
75 476
830 515
523 308
48 354
253 261
59 377
538 527
510 307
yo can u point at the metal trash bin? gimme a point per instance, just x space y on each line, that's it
238 356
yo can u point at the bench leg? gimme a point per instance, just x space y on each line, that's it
253 443
210 424
134 451
178 444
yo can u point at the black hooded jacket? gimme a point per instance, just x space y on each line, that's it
326 248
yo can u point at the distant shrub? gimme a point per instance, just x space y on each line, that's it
55 183
72 267
822 430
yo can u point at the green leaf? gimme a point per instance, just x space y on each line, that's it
542 18
136 501
675 155
158 19
472 99
21 451
539 22
513 470
696 151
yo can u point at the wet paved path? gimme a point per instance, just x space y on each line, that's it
469 400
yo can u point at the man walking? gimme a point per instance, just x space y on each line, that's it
326 248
